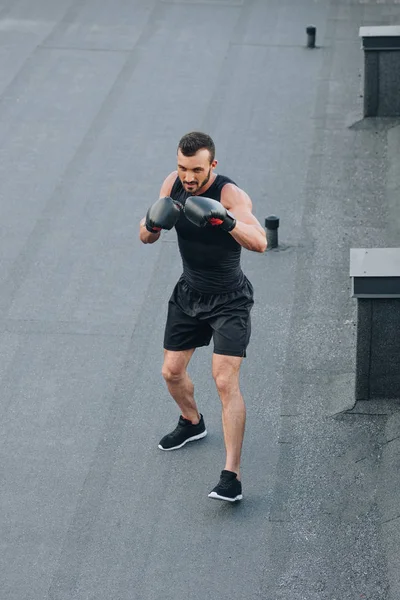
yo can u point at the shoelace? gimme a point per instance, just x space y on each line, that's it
181 425
225 481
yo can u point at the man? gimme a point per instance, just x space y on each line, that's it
212 299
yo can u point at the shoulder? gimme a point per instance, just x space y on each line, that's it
222 180
168 183
233 196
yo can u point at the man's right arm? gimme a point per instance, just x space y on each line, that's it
147 237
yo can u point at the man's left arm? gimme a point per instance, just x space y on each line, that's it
248 231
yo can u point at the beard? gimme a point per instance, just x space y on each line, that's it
204 182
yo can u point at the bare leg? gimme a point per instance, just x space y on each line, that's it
179 384
226 376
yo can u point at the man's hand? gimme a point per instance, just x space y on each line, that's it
205 211
163 214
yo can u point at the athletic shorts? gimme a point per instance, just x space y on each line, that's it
194 318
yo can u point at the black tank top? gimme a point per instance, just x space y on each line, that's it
210 256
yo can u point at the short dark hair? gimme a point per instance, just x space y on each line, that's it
194 141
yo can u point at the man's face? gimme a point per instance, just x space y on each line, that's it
195 171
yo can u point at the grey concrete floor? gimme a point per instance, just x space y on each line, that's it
94 97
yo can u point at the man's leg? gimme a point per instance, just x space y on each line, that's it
226 375
191 425
179 384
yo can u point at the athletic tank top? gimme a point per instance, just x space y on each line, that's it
210 256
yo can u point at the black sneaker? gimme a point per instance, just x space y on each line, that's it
184 432
228 488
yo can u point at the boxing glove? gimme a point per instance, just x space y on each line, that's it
163 214
205 211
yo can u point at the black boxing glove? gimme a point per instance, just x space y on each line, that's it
205 211
163 214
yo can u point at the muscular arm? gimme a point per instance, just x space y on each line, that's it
146 236
248 231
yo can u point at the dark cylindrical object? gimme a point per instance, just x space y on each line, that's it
271 225
311 35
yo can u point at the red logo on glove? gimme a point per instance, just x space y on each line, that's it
215 221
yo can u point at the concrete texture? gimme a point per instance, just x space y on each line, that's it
94 97
393 184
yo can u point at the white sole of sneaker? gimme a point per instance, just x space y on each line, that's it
218 497
191 439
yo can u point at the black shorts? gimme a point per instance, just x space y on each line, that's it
194 318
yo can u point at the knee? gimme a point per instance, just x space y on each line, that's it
172 373
226 383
